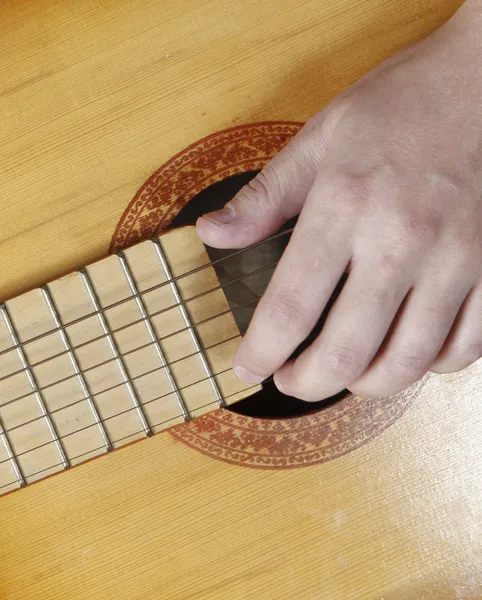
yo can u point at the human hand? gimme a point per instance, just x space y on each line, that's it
388 183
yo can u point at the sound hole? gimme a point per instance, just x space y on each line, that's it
268 403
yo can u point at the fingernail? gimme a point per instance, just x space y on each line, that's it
247 376
221 217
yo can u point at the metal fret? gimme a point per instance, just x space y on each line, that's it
19 475
125 412
121 439
118 385
141 305
116 352
161 285
84 384
188 320
127 325
35 386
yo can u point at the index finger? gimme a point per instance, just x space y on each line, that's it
303 282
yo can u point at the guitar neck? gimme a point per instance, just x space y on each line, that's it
131 345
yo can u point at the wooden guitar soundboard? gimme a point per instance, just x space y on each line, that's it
113 117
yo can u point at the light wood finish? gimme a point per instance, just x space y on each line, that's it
399 519
94 96
156 352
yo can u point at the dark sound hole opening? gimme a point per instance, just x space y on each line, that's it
268 403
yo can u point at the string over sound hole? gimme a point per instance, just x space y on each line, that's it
244 291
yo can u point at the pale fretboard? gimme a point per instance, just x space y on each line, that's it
121 350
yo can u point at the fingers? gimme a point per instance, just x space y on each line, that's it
352 334
307 274
273 197
417 337
367 319
464 344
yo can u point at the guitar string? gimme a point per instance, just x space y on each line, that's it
136 377
133 408
132 323
113 358
116 441
147 291
120 384
74 375
193 326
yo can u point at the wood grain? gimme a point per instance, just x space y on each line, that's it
94 96
115 353
398 519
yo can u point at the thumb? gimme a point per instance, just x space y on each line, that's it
273 197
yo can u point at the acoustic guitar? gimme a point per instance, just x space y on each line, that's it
133 463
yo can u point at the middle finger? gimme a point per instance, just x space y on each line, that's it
305 278
353 332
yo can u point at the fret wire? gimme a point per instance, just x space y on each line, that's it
124 371
128 410
155 287
121 439
141 305
186 315
117 385
132 351
17 468
84 384
101 337
35 387
136 322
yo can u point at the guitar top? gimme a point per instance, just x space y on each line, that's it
120 120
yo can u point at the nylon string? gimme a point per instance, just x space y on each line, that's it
116 441
193 325
151 289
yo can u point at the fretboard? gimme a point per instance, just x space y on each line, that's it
121 350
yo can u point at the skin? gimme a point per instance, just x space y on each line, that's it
387 181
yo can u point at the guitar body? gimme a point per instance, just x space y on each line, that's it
362 499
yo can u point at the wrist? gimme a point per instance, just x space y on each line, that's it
468 20
473 4
459 41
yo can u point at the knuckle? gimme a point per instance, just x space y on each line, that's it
391 264
467 245
353 188
464 356
346 193
287 310
413 231
261 193
345 362
409 365
426 222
